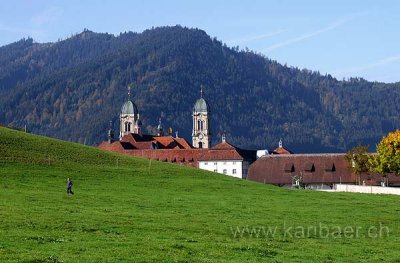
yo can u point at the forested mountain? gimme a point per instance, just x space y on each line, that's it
71 89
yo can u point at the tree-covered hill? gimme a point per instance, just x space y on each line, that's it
71 89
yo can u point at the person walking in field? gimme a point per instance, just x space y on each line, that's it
69 187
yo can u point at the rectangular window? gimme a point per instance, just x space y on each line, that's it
224 171
215 163
234 163
234 171
205 163
215 170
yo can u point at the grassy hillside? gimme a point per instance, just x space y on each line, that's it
133 210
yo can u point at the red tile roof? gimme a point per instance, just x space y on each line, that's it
223 146
149 142
165 141
282 150
315 169
176 150
145 145
183 143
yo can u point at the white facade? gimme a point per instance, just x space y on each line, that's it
261 153
234 168
201 136
128 123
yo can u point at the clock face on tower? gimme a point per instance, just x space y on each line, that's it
201 136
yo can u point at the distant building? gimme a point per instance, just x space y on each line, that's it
222 158
227 159
317 171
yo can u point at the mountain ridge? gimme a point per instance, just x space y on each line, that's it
72 88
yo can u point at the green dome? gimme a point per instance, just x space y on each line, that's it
200 106
129 108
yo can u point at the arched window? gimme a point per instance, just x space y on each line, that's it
129 126
126 126
199 124
200 145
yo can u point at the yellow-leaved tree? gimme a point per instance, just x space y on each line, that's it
358 160
387 158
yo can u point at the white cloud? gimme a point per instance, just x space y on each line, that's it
333 26
257 37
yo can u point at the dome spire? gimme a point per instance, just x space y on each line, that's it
201 104
160 129
129 91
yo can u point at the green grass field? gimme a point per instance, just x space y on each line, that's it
127 209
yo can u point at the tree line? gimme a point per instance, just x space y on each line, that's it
72 88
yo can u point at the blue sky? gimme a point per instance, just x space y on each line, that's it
342 38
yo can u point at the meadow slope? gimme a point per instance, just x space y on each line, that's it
128 209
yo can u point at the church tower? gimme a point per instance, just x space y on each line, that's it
129 118
201 135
